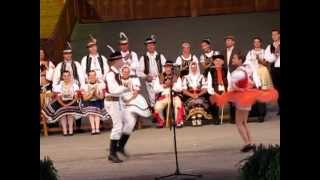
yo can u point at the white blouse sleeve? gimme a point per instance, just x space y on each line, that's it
184 84
140 69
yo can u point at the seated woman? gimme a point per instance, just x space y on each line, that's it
64 107
243 93
93 104
194 88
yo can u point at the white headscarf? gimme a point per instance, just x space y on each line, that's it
198 69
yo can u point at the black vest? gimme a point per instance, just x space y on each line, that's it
214 79
74 70
207 60
147 64
88 65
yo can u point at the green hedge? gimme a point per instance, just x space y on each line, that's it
264 164
47 170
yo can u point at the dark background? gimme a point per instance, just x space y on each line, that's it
170 32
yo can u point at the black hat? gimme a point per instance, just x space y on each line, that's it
67 48
168 63
151 39
217 54
92 41
115 55
123 38
230 37
206 40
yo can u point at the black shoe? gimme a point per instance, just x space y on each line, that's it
122 142
246 148
65 134
261 119
79 131
93 133
113 157
70 134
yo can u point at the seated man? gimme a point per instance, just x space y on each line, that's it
162 86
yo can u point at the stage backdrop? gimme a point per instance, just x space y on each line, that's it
170 32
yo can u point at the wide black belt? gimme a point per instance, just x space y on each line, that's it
111 98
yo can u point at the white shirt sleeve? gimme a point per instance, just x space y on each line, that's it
81 73
84 66
157 86
140 70
268 56
135 62
105 65
56 74
163 62
178 61
114 88
177 86
50 71
209 84
201 58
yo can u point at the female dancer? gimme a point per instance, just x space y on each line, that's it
243 94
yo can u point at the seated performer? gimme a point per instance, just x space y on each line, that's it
243 95
65 107
185 59
194 88
162 86
206 56
217 81
134 102
93 105
256 58
46 72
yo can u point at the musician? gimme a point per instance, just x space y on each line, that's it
256 58
217 81
244 92
206 56
94 60
272 55
70 65
93 104
185 59
162 86
64 107
150 67
194 88
122 121
76 72
130 57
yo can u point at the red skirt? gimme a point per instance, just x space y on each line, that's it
245 98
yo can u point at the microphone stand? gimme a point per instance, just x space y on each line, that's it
173 123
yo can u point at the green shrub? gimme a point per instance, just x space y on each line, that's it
47 170
264 164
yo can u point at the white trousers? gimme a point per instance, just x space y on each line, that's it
123 121
151 94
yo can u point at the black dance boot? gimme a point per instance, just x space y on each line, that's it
113 157
122 143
